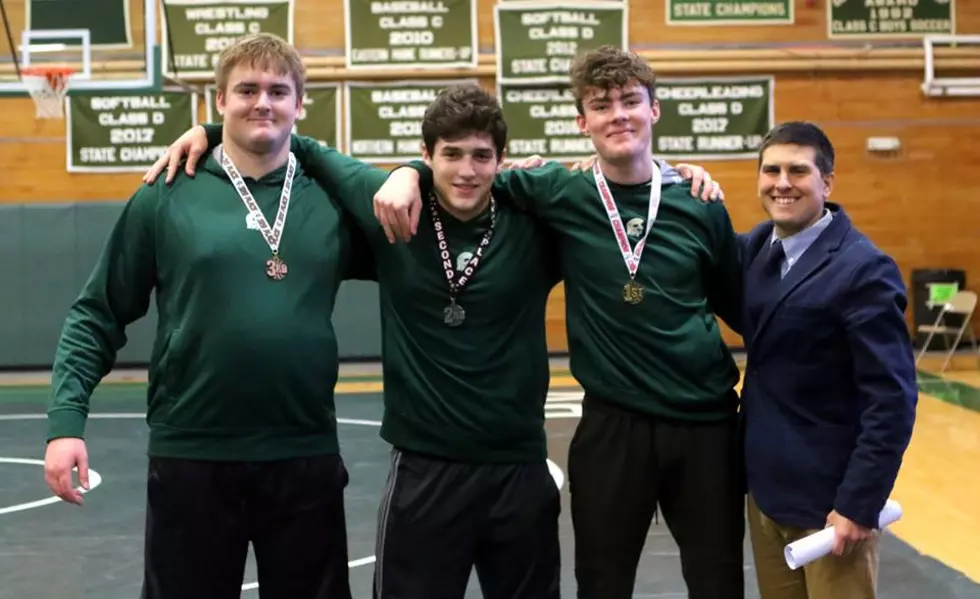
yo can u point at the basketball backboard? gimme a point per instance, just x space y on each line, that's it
110 44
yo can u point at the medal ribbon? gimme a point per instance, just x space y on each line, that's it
456 286
272 235
630 256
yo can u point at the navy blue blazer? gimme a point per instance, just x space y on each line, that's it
829 395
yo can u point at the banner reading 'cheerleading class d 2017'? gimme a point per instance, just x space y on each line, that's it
319 118
200 29
383 121
729 12
717 118
890 18
541 120
536 41
415 34
122 133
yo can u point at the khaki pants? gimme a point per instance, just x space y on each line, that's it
852 576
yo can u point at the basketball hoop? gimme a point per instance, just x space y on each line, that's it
48 86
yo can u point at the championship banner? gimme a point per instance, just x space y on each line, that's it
123 133
541 120
201 29
107 21
319 118
713 119
383 121
536 41
890 18
729 12
418 35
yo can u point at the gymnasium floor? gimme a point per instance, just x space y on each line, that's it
51 549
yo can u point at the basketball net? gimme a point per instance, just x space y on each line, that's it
48 87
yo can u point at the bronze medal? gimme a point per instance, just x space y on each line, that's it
275 268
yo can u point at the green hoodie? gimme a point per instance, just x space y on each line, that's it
243 367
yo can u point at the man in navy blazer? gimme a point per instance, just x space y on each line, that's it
829 394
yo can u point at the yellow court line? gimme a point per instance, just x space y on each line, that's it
938 486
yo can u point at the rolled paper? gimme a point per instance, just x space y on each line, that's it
802 552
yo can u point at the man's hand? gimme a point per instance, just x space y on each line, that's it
847 534
398 203
192 143
701 179
61 457
530 162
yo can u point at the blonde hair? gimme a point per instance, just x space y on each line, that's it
264 51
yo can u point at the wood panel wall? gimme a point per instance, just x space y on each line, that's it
921 204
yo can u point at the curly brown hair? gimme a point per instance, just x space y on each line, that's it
606 68
462 110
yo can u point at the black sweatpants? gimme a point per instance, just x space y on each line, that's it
201 517
438 519
621 466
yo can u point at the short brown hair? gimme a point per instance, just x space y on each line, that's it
264 51
606 68
461 110
806 134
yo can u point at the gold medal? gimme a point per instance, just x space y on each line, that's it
632 293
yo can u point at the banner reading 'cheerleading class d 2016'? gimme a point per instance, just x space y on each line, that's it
716 118
200 29
416 34
729 12
122 133
541 120
536 41
890 18
383 121
319 118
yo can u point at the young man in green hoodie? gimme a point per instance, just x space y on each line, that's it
465 363
645 269
243 443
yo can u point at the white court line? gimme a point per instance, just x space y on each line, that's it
567 404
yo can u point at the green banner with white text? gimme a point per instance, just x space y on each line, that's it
536 41
722 118
729 12
319 118
541 120
121 133
383 121
411 34
889 18
200 29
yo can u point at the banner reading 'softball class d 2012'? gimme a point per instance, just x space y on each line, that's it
536 41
